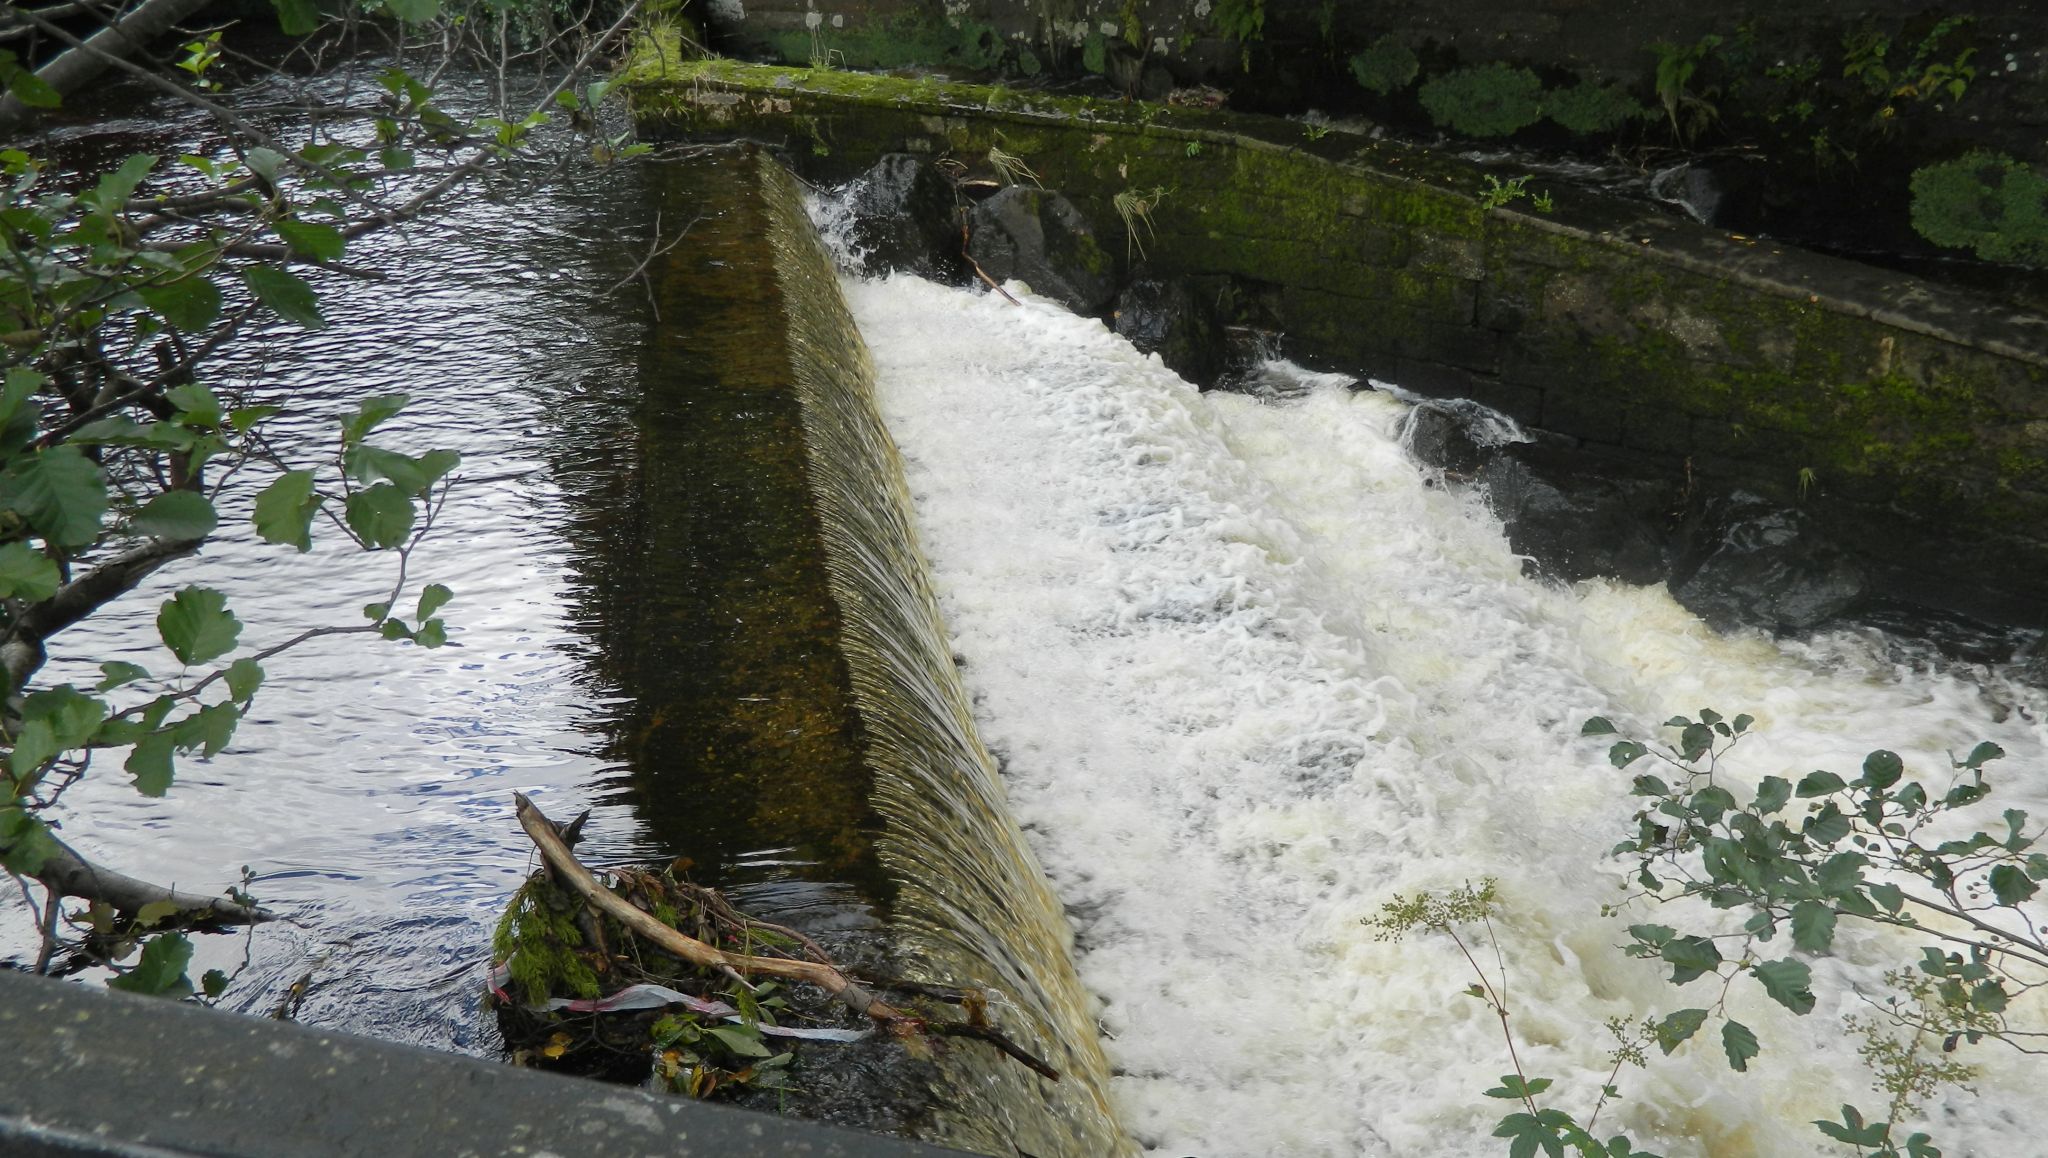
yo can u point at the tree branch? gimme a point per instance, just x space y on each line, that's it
66 873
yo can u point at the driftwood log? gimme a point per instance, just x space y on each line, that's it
570 873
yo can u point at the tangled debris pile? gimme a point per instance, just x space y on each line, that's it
649 977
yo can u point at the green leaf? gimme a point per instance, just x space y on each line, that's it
208 729
27 574
1695 741
297 17
197 406
1882 769
243 677
177 515
1652 934
1990 997
117 672
59 492
1983 754
1625 753
1842 873
197 626
118 185
25 842
1677 1028
243 419
371 413
1742 723
1597 726
32 90
1854 1131
213 983
34 745
17 416
1889 896
433 597
151 762
432 633
311 239
742 1040
1813 927
1690 958
382 515
1820 784
1789 982
1827 826
366 463
285 294
1740 1045
190 303
284 511
1772 793
1713 802
1513 1087
156 912
161 970
2011 886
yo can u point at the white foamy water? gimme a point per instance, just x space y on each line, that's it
1250 673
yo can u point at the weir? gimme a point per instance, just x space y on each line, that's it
795 697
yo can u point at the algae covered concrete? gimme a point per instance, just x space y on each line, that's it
1912 420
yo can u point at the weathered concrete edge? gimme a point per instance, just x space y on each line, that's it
1781 271
98 1072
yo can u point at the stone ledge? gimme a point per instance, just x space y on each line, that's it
93 1072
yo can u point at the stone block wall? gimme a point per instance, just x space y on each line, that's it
1911 420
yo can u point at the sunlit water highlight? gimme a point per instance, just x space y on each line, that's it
1250 671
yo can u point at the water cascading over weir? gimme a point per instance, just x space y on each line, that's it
793 697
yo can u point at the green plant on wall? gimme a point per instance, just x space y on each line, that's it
1689 110
1491 100
1589 107
1387 67
1241 20
1986 202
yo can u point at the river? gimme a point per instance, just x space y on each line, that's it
1247 668
1250 671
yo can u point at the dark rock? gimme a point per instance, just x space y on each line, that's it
1577 527
1039 237
1168 318
1456 435
1749 563
904 220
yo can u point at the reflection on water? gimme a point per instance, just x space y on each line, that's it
370 791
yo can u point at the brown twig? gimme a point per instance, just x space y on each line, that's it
978 271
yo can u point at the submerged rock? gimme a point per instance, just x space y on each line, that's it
904 220
1040 238
1168 319
1751 563
1576 526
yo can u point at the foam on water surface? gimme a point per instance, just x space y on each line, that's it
1250 672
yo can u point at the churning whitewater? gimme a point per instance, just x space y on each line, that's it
1250 671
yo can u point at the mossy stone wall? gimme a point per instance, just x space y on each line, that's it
1911 420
